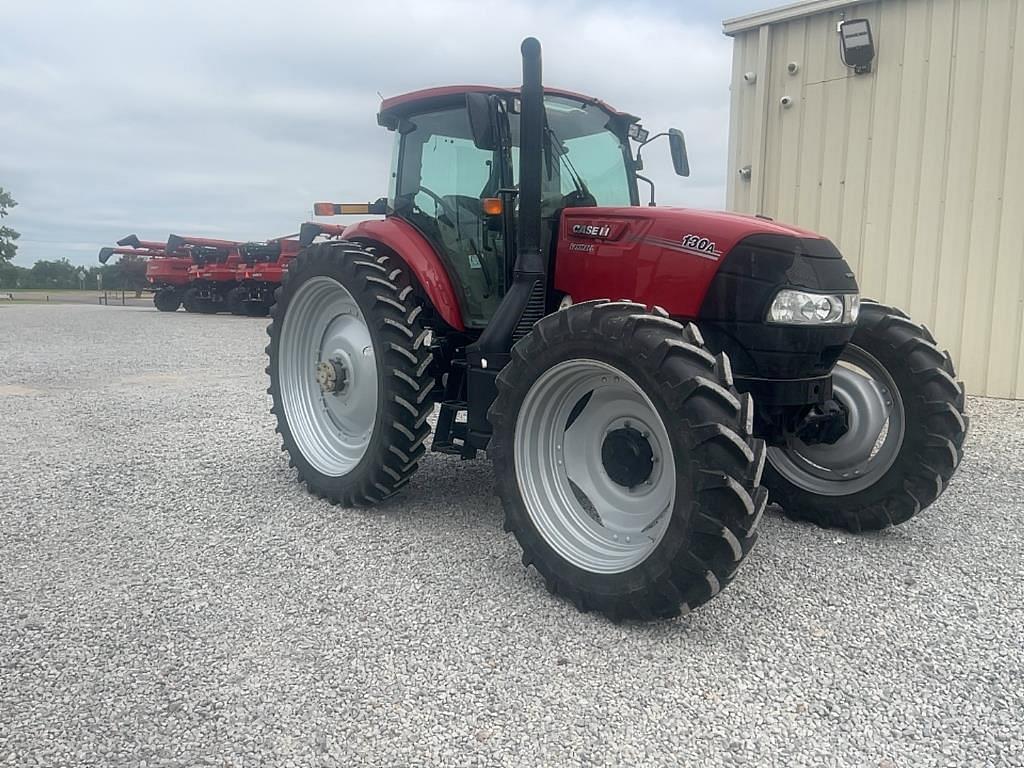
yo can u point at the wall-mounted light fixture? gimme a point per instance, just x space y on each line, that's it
857 46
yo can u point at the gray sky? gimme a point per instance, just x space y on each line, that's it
231 119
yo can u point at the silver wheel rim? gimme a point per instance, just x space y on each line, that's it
589 519
865 453
324 329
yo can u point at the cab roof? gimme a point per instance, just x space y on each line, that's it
396 107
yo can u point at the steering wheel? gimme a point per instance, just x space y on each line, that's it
441 202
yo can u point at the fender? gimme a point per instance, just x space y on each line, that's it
402 238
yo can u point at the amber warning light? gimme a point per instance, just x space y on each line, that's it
340 209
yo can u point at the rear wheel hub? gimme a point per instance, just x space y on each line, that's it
331 375
627 456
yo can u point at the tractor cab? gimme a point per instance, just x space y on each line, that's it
455 172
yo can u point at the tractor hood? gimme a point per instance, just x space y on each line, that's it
715 232
664 256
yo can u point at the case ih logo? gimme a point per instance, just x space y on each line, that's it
592 230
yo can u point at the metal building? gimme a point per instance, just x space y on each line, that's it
914 168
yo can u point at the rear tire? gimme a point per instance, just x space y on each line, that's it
928 409
194 303
696 428
167 299
235 300
342 304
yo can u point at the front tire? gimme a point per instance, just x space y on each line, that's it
167 299
623 459
879 474
348 373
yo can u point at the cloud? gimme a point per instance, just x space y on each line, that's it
230 120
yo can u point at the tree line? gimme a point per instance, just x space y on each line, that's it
128 273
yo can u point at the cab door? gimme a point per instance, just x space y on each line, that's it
441 180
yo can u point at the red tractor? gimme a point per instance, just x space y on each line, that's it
263 265
634 442
166 273
212 273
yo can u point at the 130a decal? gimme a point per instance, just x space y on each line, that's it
700 244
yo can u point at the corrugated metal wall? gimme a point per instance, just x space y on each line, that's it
916 170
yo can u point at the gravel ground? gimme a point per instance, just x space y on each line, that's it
169 596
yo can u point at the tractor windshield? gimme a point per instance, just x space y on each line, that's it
585 160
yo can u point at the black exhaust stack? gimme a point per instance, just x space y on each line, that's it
524 302
530 260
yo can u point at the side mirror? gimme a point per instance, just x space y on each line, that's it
677 145
483 119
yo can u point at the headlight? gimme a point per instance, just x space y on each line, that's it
792 307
